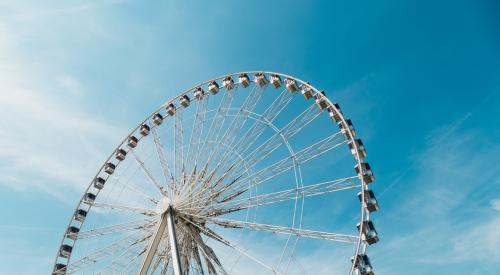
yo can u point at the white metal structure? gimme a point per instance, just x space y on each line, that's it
248 173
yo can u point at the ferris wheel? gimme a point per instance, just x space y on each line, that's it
248 173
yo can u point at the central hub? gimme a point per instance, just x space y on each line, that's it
163 205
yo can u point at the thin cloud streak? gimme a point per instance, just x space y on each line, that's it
452 159
434 139
48 142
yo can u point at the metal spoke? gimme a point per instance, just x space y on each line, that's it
165 266
134 189
144 211
236 124
198 193
211 259
197 259
117 264
283 134
111 229
301 157
273 170
252 135
107 251
218 238
178 150
290 194
148 174
160 151
218 121
162 256
123 268
196 132
285 230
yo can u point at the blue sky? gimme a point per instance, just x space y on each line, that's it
420 79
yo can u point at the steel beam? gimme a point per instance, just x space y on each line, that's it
174 249
166 222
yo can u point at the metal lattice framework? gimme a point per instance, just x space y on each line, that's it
216 180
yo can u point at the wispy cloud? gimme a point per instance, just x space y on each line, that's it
49 140
449 176
34 257
481 243
44 139
495 204
434 141
70 85
28 13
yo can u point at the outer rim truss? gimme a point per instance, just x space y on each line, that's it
348 133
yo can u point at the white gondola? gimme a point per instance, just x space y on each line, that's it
344 127
306 90
244 80
157 119
276 81
321 100
65 250
132 142
170 109
80 215
145 129
198 93
89 198
109 168
370 203
185 100
369 234
59 269
120 154
359 144
213 87
363 265
365 172
291 85
99 183
72 232
228 83
334 112
260 79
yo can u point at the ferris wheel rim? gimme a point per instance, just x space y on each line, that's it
364 215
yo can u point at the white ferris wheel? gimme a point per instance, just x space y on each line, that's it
248 173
